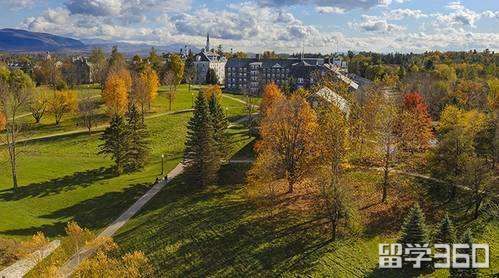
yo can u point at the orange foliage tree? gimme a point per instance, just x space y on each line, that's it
3 121
271 94
287 148
115 93
415 128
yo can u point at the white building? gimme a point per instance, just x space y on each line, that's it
206 60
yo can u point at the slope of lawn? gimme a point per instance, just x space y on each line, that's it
219 231
64 178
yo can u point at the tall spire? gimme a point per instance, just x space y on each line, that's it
207 47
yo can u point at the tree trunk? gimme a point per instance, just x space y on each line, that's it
12 155
334 226
290 187
385 176
477 209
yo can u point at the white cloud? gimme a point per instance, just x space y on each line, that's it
346 5
251 27
18 4
491 14
459 17
128 11
375 24
330 10
399 14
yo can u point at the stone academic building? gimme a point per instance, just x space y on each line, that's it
251 74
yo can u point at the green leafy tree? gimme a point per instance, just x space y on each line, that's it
115 142
220 125
201 157
138 144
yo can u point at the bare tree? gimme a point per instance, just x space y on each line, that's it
170 80
15 95
39 105
386 123
87 108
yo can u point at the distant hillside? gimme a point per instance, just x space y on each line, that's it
14 40
130 49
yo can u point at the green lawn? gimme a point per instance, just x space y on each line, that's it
63 178
183 100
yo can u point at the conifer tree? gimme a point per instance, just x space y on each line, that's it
466 238
201 157
138 148
414 231
115 143
220 125
446 232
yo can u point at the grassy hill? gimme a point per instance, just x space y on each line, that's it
220 231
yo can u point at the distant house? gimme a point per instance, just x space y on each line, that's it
328 97
83 69
206 60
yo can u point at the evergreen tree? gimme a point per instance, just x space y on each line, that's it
211 77
446 232
414 231
466 238
116 143
414 228
138 148
220 125
201 157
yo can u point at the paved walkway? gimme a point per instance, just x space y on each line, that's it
21 267
70 266
426 177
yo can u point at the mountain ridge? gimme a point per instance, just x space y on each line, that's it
24 41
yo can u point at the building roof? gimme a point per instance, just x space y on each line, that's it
274 63
333 98
205 56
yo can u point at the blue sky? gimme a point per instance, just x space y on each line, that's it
280 25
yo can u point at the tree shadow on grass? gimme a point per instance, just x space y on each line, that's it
94 213
214 232
58 185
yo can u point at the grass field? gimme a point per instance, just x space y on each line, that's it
63 178
219 231
183 100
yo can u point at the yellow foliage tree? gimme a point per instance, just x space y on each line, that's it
115 93
288 147
271 94
151 82
210 90
62 102
39 104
